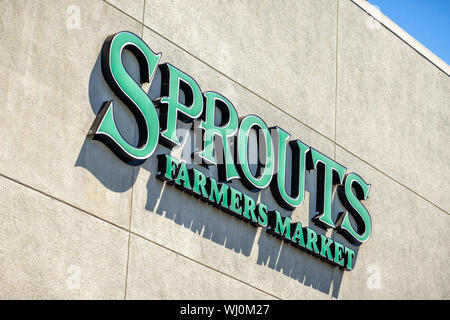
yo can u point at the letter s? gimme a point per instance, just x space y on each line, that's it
351 193
104 128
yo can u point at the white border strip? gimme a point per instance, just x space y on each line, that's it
402 34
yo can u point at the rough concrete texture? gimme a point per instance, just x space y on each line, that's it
380 19
393 106
133 8
157 273
51 92
50 250
68 203
279 50
407 254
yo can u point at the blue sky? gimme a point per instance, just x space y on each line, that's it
428 21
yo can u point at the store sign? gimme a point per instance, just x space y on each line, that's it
226 145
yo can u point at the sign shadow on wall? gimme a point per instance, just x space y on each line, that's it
195 215
96 157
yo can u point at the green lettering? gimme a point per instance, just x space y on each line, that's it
167 167
183 175
235 201
311 242
278 184
171 109
325 250
104 127
329 173
351 201
249 209
224 131
199 183
338 259
279 226
250 181
350 254
262 214
297 237
216 195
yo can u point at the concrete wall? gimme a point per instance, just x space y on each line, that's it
79 223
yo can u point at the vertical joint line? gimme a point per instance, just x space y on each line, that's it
143 19
336 78
132 184
129 235
335 115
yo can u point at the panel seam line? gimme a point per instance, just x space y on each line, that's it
131 232
335 114
204 265
129 236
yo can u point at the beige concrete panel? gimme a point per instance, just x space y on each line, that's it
187 225
380 18
407 254
134 8
393 106
285 51
50 250
52 88
157 273
245 102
